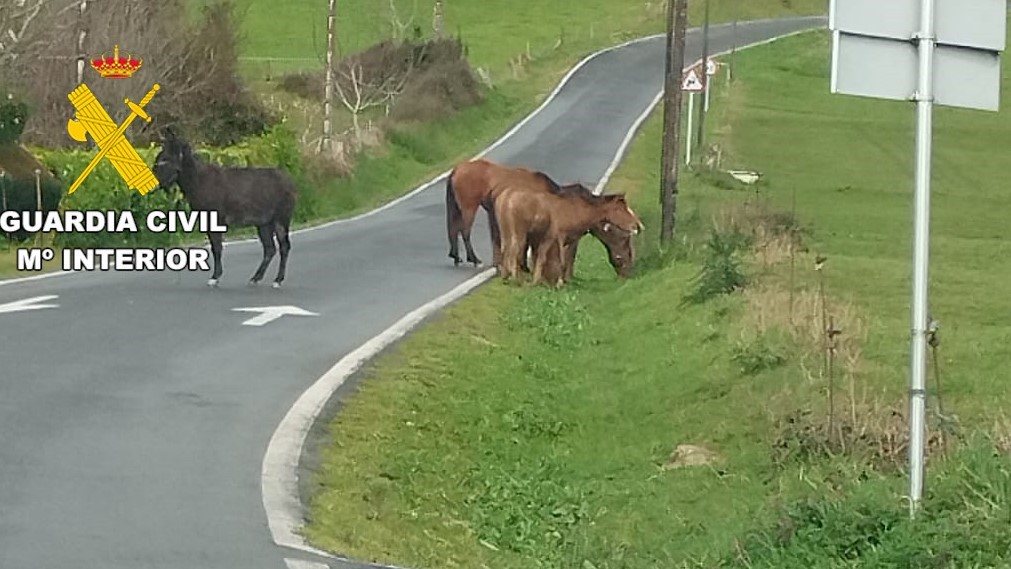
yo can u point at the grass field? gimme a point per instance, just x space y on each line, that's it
417 152
526 427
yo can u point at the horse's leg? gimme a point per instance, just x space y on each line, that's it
266 233
570 261
283 240
529 250
540 263
496 234
215 240
453 220
468 224
566 260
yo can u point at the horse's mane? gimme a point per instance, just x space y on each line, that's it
572 190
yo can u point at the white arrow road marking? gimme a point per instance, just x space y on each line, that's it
270 313
28 304
299 564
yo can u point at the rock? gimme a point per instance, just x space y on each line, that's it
690 455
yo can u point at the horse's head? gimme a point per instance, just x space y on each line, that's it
169 162
620 246
617 212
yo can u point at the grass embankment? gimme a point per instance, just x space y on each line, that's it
527 427
414 153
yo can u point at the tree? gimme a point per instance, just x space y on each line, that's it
359 93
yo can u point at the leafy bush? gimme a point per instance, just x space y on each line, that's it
756 356
721 271
17 185
13 114
194 60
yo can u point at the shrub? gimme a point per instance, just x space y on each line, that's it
435 77
196 65
17 185
721 272
13 115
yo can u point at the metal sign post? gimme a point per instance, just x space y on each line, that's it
929 51
711 68
691 84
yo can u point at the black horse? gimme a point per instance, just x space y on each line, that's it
243 197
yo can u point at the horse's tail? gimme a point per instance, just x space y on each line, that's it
454 214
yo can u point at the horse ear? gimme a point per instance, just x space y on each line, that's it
168 134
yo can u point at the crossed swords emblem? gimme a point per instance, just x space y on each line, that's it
91 118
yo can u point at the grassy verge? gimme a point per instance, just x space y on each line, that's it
526 427
414 153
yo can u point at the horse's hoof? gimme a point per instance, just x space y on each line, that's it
275 285
212 282
253 282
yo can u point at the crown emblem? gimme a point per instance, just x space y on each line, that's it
116 67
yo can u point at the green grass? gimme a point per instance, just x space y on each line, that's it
526 427
494 30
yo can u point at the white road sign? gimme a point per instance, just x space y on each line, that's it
691 82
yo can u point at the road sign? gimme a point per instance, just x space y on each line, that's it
978 24
270 313
873 55
928 51
28 304
712 67
691 81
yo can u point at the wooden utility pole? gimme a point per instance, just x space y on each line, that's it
700 134
677 23
331 18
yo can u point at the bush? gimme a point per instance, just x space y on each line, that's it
17 185
436 77
196 65
721 272
13 115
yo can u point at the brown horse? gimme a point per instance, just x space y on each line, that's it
476 183
619 243
553 222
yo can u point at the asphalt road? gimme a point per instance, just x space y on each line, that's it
135 415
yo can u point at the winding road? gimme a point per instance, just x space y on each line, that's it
137 408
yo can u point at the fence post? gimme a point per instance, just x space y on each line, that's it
3 202
437 19
38 198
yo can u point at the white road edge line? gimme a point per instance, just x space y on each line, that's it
279 474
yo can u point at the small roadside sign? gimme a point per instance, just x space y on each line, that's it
712 67
691 82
